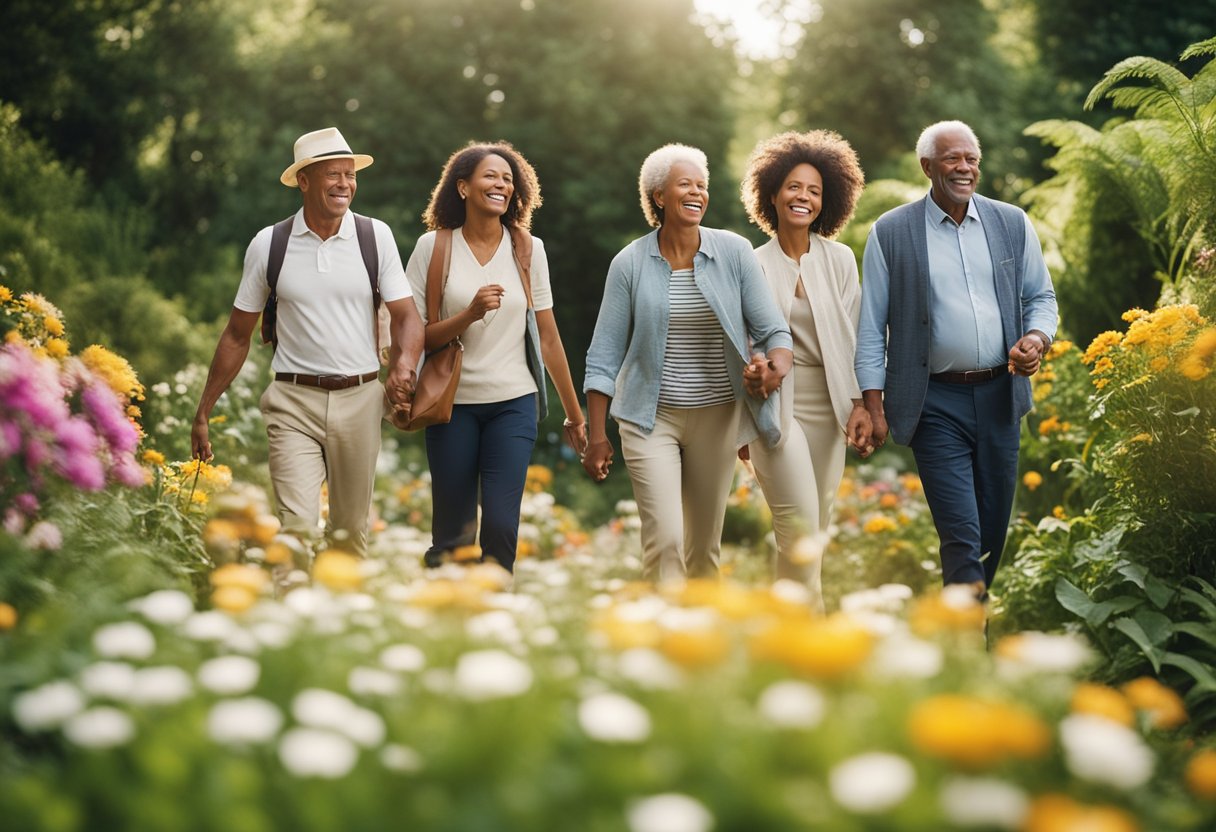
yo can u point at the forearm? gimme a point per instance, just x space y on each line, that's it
872 399
780 360
230 355
597 416
441 332
554 355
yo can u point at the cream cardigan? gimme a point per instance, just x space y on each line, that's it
829 275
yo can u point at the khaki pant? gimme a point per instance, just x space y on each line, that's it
801 477
681 473
324 436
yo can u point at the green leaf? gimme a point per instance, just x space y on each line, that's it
1201 673
1132 629
1200 601
1204 632
1094 613
1102 546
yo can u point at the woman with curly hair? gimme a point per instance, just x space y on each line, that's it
479 211
801 188
671 354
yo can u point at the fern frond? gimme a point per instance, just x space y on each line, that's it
1204 47
1168 78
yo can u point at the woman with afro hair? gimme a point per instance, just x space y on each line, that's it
801 189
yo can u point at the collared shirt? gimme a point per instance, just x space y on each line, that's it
965 320
325 320
625 359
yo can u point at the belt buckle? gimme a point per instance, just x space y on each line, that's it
332 382
972 376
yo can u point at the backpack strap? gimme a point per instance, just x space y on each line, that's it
278 250
366 233
437 273
274 266
521 246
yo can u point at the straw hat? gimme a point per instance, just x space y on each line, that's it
318 146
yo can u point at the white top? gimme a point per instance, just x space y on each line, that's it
495 366
325 316
694 363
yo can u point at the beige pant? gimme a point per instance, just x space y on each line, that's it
681 473
801 477
319 435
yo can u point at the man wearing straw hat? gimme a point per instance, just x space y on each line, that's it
324 406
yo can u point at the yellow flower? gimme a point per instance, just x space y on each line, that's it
625 633
1162 704
1052 424
233 599
1060 813
6 294
52 325
1041 391
911 483
1100 700
1101 345
1201 774
694 648
823 647
976 733
153 457
952 610
1058 348
878 524
56 348
338 570
1059 513
464 554
1102 365
1159 363
8 613
240 575
1032 479
1197 363
538 478
1134 314
847 487
524 549
115 370
888 500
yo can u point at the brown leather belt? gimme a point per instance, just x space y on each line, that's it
970 376
327 382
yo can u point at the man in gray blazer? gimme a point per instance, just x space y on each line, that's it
957 311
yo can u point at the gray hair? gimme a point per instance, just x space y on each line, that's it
926 145
657 168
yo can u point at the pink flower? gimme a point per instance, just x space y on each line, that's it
44 535
106 412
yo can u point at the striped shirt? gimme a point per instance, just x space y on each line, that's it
694 365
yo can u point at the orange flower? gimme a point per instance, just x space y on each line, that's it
1163 705
8 616
1103 701
1060 813
824 647
338 570
1201 774
1032 480
976 733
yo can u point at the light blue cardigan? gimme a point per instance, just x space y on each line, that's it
625 360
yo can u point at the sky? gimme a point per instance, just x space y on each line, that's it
759 35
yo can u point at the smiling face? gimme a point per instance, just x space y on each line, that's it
685 196
799 199
328 188
954 171
489 189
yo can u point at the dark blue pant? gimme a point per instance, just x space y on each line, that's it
486 446
966 451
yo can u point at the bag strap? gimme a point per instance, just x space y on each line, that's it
371 255
521 246
278 250
437 273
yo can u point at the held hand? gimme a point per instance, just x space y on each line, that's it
1025 356
745 453
598 459
200 441
487 299
878 433
859 430
399 393
760 378
576 435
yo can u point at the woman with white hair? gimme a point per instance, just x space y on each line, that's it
683 308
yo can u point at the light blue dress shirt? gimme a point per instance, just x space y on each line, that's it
965 318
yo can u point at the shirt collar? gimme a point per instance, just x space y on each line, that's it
345 232
708 246
937 215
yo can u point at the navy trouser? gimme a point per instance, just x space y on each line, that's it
966 451
486 446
